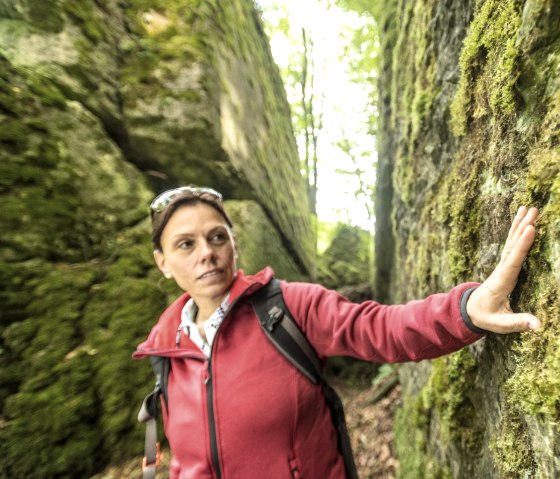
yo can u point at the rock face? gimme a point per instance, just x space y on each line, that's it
471 130
103 104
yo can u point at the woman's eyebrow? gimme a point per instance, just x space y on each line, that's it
182 235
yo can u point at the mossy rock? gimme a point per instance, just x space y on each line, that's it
258 241
102 105
346 260
482 141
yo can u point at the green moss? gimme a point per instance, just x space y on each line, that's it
13 131
72 189
55 401
258 241
446 399
451 220
413 91
247 70
511 448
345 260
53 428
77 327
453 383
411 441
506 109
535 386
489 64
465 220
89 18
43 15
67 194
543 173
162 32
122 306
45 88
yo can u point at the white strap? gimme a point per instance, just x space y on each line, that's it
147 414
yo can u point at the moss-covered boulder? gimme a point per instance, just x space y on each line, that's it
346 259
186 90
257 241
103 104
203 101
471 131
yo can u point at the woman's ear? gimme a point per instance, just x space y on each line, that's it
160 262
235 247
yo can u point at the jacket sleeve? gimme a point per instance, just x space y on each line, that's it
420 329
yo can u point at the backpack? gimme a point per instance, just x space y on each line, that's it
287 337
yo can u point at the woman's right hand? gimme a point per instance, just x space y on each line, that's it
488 306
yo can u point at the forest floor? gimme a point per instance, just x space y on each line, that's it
371 429
371 432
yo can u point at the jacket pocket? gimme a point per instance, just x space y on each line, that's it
295 469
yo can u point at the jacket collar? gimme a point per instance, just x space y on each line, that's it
163 335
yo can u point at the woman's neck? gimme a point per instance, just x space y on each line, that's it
207 307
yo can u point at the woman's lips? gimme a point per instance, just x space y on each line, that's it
210 274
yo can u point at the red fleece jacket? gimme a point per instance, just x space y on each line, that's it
248 413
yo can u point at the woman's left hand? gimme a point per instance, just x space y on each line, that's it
488 306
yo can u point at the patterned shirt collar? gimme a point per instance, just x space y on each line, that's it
211 325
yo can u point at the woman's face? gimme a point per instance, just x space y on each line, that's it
198 252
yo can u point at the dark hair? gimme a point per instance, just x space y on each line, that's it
180 197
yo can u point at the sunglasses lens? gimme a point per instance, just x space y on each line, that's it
161 201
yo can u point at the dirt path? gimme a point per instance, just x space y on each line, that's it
371 431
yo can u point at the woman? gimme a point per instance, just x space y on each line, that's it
236 408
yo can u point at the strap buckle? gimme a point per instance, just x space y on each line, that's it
275 315
145 464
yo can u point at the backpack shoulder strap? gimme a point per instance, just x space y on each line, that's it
279 326
283 331
148 413
160 366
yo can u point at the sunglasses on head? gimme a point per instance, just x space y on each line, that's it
161 201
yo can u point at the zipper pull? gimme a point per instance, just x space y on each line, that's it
294 468
206 372
178 337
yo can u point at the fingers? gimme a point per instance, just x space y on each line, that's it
522 246
521 213
507 272
511 323
524 218
504 278
528 218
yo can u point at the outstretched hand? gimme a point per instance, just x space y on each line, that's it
488 306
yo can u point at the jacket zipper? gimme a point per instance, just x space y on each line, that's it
212 422
210 398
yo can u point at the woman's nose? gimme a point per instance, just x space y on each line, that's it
206 251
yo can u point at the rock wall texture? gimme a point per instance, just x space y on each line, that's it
470 106
102 104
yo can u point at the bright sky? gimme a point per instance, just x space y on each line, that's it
344 106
